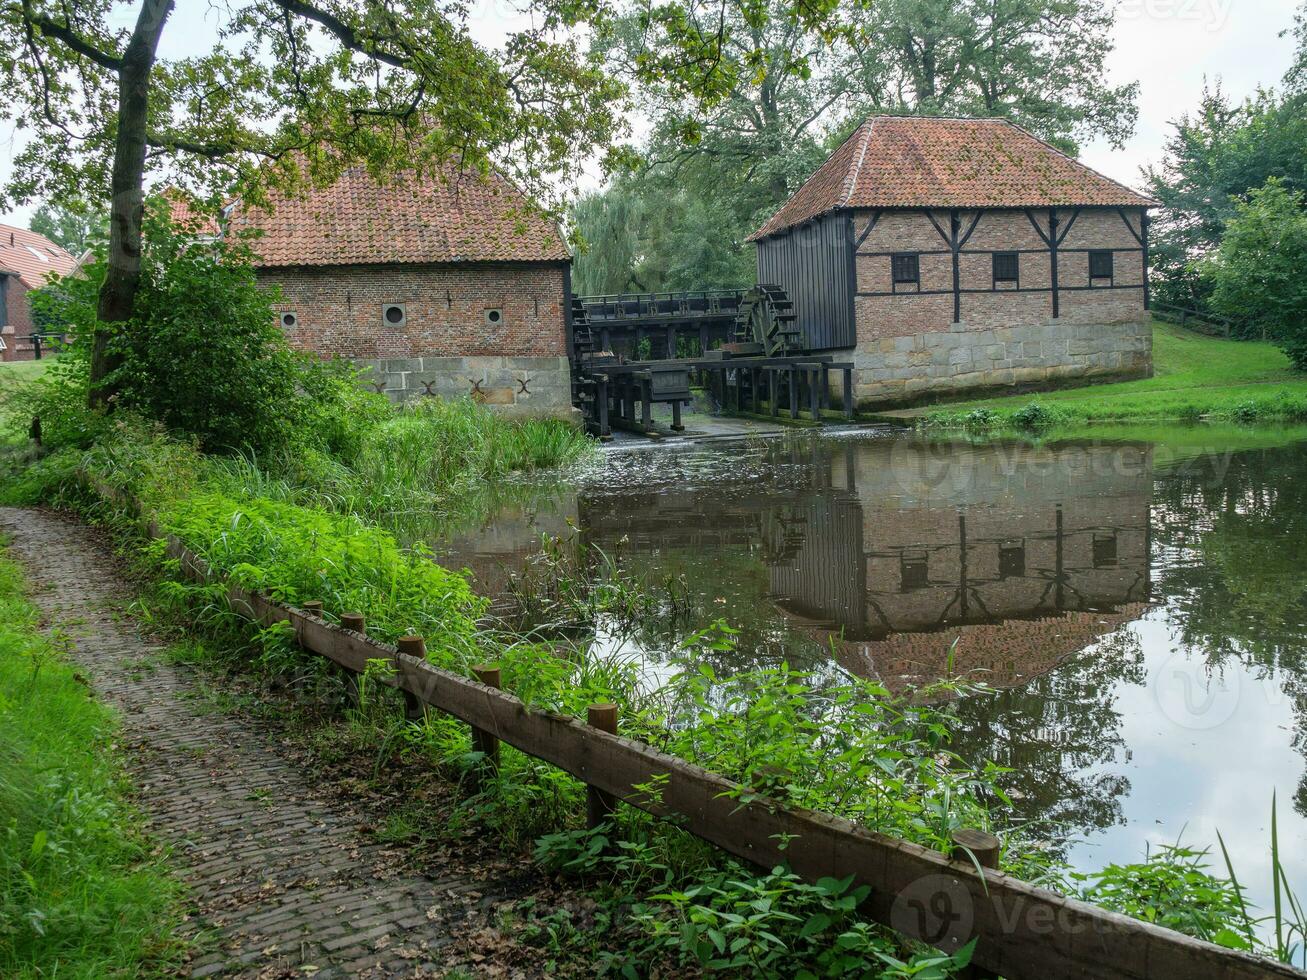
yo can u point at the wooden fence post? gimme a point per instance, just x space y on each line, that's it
313 607
353 622
600 805
413 646
983 848
483 741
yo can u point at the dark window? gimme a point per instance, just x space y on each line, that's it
1006 265
392 314
494 317
915 572
289 320
1105 550
1012 560
1100 265
907 268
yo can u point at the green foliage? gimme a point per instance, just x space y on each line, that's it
1257 275
80 893
777 925
1172 888
202 353
73 225
1214 159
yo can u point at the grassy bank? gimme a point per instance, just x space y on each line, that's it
81 895
1195 377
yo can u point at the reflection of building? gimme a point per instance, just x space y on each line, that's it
891 550
1020 555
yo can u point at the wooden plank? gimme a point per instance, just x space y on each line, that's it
1026 933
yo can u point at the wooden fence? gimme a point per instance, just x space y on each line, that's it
1024 932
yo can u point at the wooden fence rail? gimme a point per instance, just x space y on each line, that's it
1024 932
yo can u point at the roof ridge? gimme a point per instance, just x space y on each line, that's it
851 178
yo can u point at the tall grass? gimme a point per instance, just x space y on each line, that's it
81 896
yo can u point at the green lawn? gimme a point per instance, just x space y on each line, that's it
81 894
1196 377
13 372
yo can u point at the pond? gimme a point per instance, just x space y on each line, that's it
1137 603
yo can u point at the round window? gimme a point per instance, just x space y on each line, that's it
494 316
289 320
394 314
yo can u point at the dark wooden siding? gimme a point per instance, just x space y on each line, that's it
814 265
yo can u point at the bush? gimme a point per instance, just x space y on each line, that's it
202 352
1034 417
1258 273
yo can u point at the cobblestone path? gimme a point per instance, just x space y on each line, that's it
283 880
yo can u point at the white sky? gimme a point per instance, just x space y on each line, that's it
1169 46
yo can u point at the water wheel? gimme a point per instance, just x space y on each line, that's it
766 317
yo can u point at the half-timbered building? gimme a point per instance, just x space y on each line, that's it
949 255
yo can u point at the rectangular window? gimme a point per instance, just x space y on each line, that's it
914 571
1006 265
1100 265
906 267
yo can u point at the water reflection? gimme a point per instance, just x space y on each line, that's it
1143 621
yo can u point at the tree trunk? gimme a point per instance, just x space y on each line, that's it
127 203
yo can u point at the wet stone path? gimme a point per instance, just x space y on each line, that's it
281 878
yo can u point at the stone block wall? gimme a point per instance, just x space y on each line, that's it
927 366
534 386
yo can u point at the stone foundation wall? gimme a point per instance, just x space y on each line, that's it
535 386
926 366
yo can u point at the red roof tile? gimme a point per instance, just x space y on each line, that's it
187 215
926 162
357 220
31 257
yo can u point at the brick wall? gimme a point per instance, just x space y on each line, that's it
910 347
339 309
909 312
17 327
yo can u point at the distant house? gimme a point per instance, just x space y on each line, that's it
27 261
945 255
453 287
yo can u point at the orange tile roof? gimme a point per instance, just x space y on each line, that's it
358 220
927 162
187 215
31 257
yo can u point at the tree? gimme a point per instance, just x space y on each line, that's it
784 98
291 91
1040 63
74 226
1257 275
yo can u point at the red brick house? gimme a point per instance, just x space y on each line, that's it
455 287
944 255
27 261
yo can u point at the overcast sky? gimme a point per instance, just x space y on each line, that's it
1169 46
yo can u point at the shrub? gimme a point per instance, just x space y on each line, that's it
1258 273
202 352
1034 417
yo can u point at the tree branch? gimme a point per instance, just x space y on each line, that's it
345 34
71 39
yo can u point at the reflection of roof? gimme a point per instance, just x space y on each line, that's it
1003 654
918 162
31 257
358 220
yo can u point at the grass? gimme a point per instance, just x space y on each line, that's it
81 893
1196 377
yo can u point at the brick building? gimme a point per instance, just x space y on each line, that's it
945 255
453 287
27 261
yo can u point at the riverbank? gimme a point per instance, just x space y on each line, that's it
1195 377
83 891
